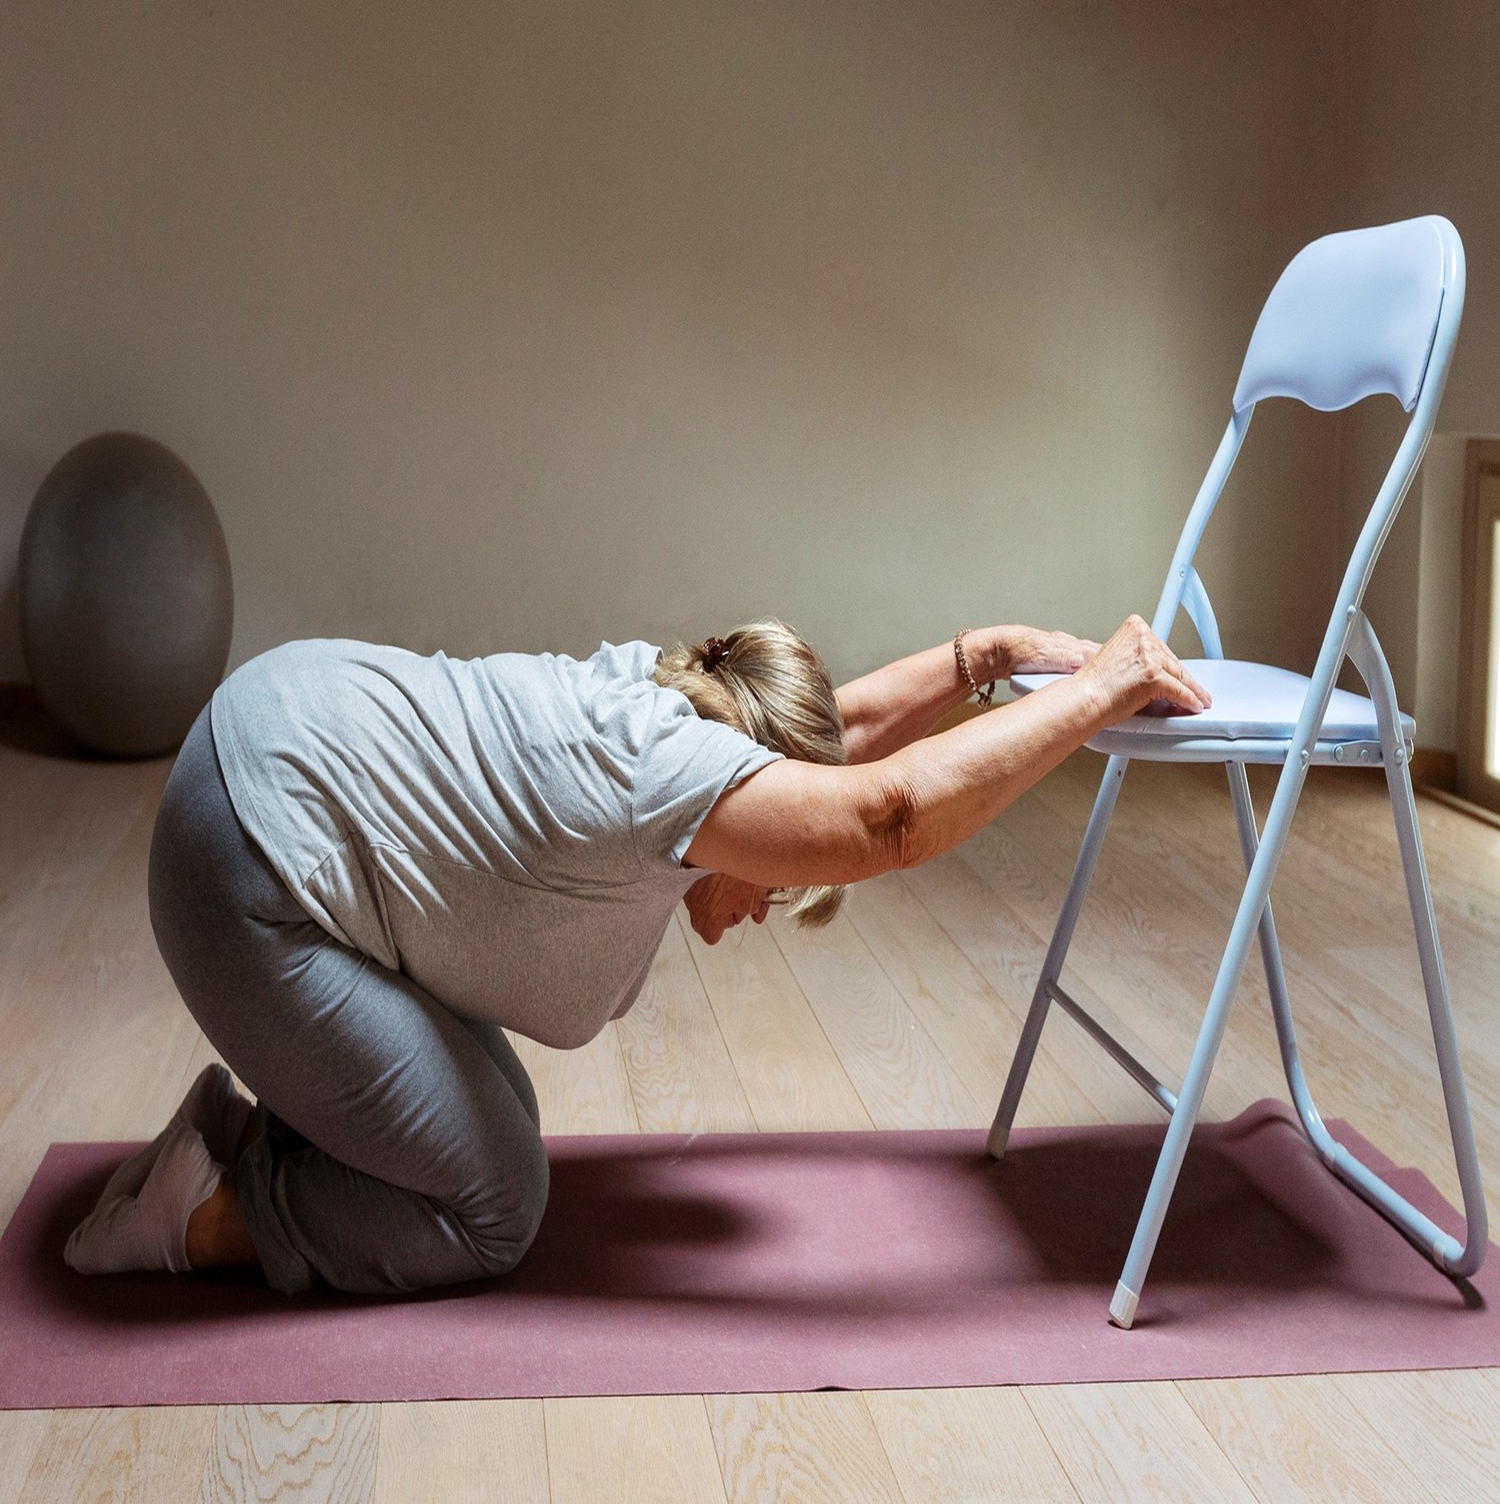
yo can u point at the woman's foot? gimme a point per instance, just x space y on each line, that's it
216 1232
214 1107
215 1111
148 1230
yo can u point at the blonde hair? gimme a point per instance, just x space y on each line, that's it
768 683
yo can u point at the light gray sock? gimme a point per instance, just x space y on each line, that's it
149 1230
216 1109
213 1106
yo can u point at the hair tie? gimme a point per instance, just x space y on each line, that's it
714 653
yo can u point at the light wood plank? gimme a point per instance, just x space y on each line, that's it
1071 1080
813 1447
1134 1441
580 1091
681 1076
900 1075
1147 944
1301 1438
961 1444
21 1433
791 1075
1442 1425
124 1454
960 1012
1385 978
1352 1030
83 1015
646 1449
314 1452
61 835
1371 1061
454 1452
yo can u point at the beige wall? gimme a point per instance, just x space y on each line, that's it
496 326
1424 137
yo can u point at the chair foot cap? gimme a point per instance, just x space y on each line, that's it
995 1144
1122 1307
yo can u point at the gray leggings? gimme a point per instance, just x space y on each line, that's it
396 1145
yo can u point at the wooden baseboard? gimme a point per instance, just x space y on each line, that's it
1463 806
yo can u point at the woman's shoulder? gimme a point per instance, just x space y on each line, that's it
619 697
630 662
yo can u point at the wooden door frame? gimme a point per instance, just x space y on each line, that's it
1475 630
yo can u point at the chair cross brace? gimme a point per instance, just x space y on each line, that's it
1163 1096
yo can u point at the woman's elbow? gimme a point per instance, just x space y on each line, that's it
897 834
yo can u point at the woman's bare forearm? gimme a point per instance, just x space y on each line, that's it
949 786
894 706
954 784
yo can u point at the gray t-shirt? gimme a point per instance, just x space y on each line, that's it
508 831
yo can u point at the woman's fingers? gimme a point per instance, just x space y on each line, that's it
1181 691
1052 653
1138 673
718 902
1173 691
1179 699
1205 699
1199 697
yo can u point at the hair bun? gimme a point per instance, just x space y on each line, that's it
714 653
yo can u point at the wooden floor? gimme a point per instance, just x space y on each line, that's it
903 1015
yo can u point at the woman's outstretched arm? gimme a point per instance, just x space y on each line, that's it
896 705
795 823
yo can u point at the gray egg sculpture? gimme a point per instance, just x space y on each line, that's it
127 604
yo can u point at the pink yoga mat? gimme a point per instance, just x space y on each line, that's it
744 1262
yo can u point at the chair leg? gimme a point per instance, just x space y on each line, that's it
1270 952
1459 1259
1247 921
1062 936
1444 1251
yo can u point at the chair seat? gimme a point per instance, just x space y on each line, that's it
1251 702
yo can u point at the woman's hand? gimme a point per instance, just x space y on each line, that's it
717 902
1135 672
1030 650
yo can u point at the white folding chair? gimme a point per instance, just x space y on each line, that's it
1354 314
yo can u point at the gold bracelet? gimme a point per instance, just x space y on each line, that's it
988 693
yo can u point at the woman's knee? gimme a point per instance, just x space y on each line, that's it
502 1222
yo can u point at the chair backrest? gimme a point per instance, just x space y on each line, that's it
1352 315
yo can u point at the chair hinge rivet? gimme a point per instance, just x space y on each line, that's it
1304 757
